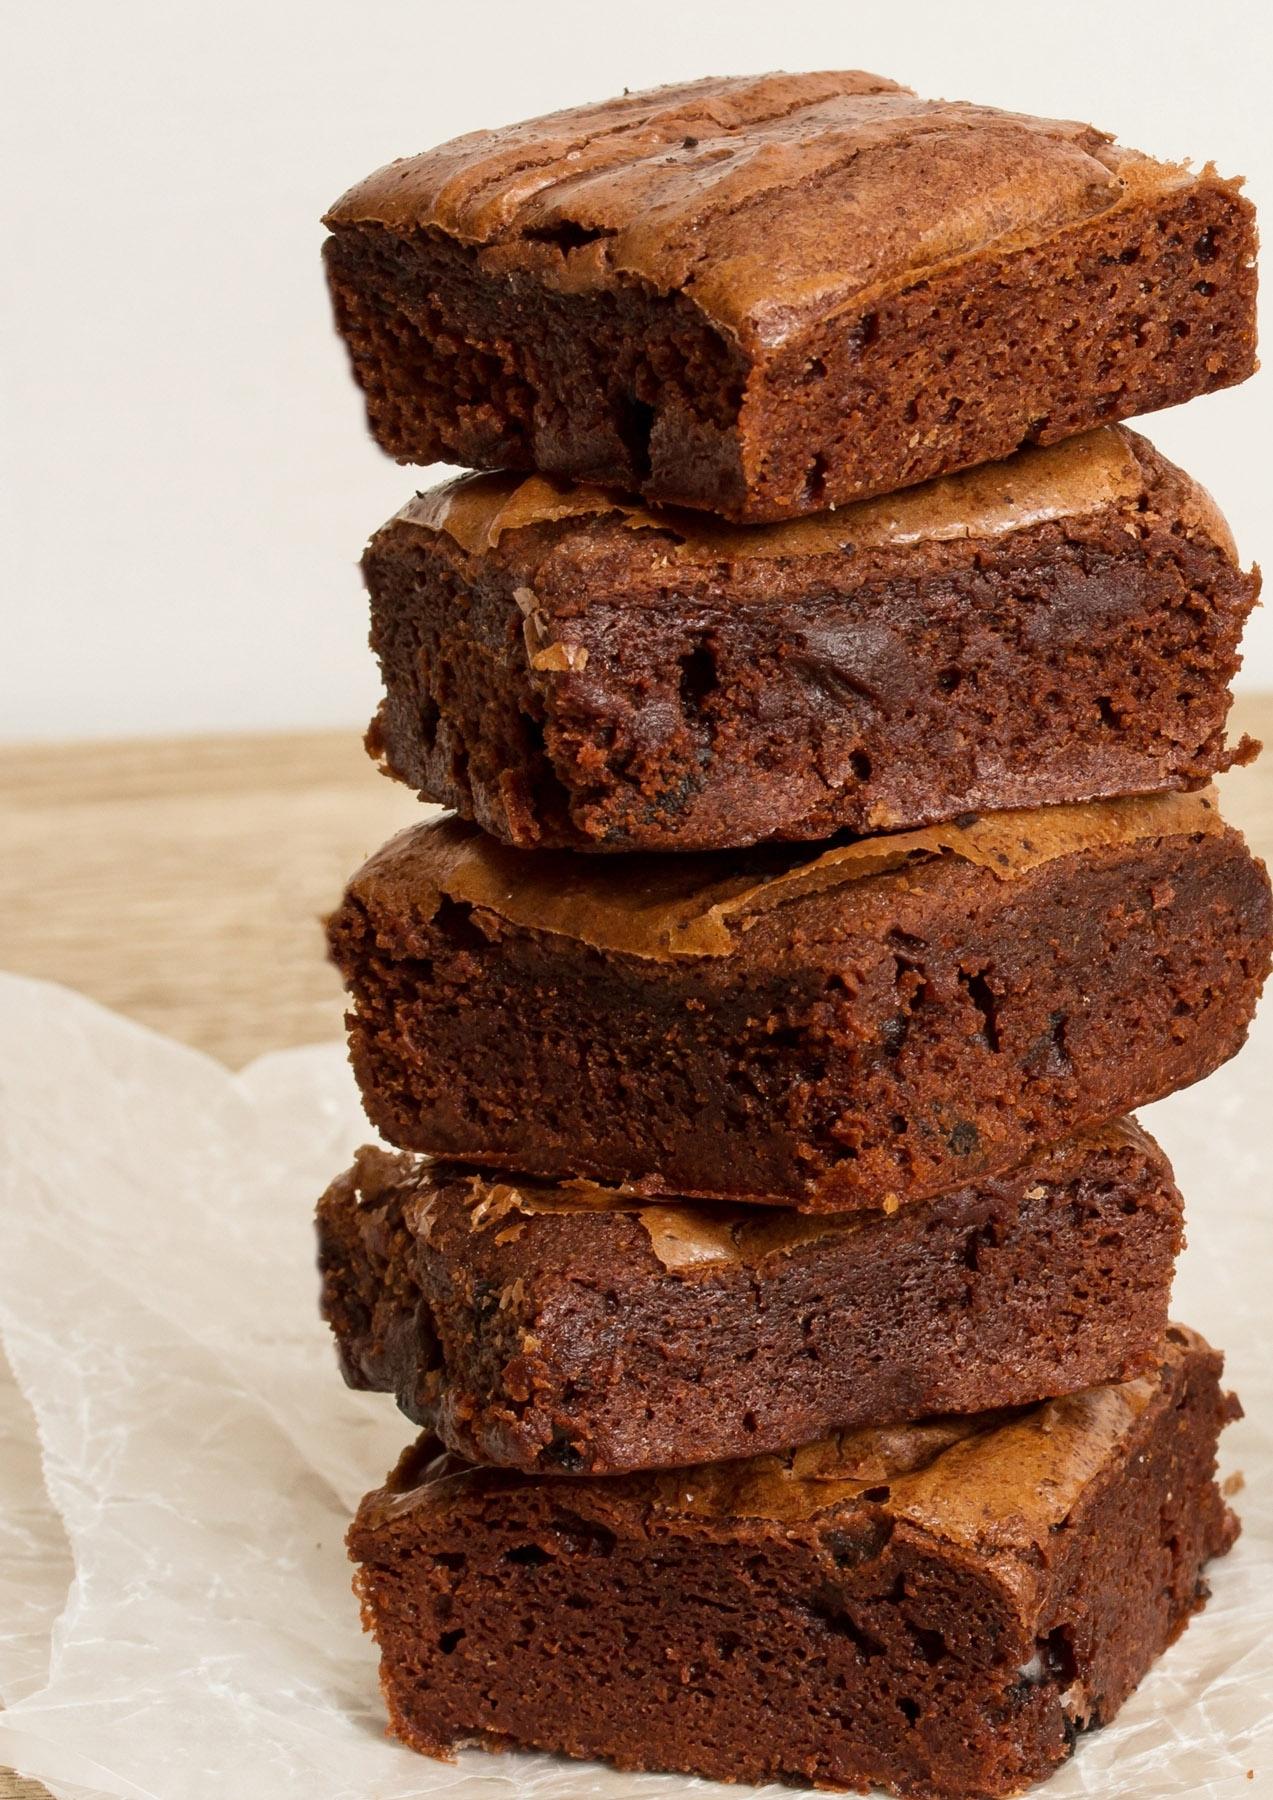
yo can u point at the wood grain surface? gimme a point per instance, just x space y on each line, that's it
183 881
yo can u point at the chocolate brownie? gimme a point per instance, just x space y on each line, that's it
828 1028
569 1328
767 295
571 669
939 1609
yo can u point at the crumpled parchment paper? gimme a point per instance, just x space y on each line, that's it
176 1621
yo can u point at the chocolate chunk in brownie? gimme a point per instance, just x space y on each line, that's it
767 295
938 1609
570 669
571 1328
829 1028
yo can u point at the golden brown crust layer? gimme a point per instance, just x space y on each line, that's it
681 1235
1063 481
662 908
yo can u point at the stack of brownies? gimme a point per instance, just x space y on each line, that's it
768 1256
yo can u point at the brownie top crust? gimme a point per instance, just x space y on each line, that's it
680 1234
773 201
1075 479
702 903
988 1482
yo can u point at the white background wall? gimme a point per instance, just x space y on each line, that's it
187 481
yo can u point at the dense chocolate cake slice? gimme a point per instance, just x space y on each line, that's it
572 1329
572 669
854 1025
938 1609
766 295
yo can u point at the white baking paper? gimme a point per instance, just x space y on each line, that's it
176 1621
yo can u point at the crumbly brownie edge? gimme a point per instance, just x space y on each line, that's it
370 1296
569 385
1131 1571
562 1343
1150 305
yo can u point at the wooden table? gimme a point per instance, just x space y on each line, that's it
182 881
